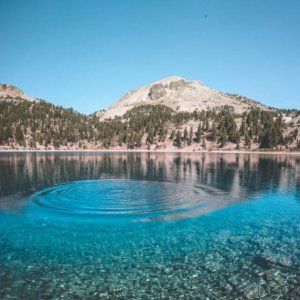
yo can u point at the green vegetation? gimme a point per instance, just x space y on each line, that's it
42 125
28 123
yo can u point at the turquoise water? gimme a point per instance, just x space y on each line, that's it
149 226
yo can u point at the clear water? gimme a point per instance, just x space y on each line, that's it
149 226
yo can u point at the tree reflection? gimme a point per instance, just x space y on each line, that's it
241 175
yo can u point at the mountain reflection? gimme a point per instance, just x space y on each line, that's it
241 176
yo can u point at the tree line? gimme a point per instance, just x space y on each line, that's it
41 124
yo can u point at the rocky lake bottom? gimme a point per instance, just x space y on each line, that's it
145 226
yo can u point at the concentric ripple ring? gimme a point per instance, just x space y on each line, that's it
141 200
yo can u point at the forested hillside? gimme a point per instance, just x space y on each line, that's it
41 125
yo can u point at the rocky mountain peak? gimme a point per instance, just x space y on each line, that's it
181 95
10 92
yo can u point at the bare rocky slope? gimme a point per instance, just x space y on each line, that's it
180 95
10 92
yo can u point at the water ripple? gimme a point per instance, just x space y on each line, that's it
140 200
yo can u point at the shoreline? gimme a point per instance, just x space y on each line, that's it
296 153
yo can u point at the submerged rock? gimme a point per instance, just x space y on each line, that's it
262 262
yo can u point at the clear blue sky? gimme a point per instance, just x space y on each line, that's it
87 54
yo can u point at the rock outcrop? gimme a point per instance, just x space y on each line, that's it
157 91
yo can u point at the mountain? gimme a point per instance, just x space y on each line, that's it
180 95
10 92
171 114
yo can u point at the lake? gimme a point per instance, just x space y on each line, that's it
149 226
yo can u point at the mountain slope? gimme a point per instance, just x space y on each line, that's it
180 95
10 92
170 115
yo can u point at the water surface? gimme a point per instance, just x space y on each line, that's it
90 225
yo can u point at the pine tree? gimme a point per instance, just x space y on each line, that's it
177 141
19 136
243 128
207 125
213 135
191 134
150 137
198 134
185 134
247 140
224 138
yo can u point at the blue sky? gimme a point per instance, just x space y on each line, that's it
87 54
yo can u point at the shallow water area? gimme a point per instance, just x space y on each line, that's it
138 200
149 225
